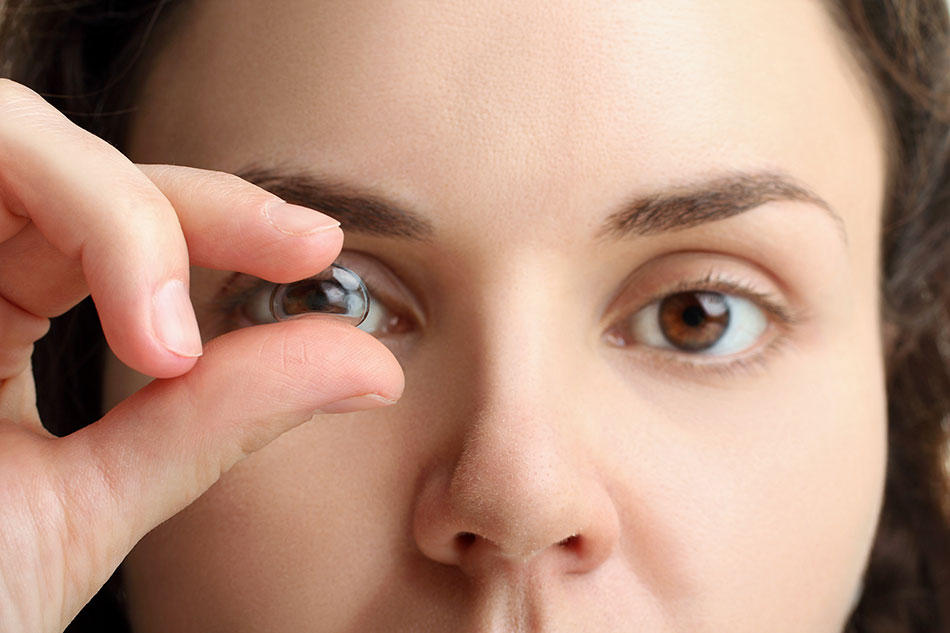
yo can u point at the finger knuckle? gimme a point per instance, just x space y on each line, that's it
20 103
235 189
222 180
11 90
133 193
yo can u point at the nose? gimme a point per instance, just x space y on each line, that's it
517 496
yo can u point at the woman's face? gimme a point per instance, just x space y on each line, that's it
627 257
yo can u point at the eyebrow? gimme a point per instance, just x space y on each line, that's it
356 211
714 199
673 209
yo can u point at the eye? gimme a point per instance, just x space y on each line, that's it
380 320
697 322
337 291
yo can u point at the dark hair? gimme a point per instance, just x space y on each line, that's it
86 57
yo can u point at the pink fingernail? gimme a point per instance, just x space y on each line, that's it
357 403
295 220
173 320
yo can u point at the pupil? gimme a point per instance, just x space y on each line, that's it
694 316
694 321
311 295
322 301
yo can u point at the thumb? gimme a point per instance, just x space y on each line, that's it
160 449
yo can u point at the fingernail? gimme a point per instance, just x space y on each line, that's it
295 220
173 320
357 403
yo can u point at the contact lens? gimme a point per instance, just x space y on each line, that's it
336 291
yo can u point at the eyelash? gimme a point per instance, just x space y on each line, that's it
239 288
782 320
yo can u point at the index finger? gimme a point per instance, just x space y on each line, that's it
92 204
129 231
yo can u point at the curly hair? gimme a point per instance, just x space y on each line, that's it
84 56
905 50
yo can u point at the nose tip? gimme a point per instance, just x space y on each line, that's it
512 502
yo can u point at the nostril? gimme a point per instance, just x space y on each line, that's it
571 542
465 539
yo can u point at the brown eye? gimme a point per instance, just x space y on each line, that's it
696 321
693 321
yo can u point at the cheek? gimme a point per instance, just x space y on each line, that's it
770 489
762 491
316 518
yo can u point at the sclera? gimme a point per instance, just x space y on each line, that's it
337 291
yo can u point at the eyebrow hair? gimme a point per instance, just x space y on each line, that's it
678 208
716 199
356 211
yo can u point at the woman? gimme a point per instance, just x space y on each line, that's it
630 258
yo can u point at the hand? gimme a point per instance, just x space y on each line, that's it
77 218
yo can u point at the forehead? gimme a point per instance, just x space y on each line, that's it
529 105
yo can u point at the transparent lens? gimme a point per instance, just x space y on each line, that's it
337 291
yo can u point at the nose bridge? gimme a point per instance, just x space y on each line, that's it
523 338
522 484
521 372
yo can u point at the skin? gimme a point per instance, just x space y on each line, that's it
737 494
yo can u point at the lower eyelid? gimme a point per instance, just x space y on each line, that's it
683 365
755 359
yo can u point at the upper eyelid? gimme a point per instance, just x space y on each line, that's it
385 283
239 288
765 300
713 280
